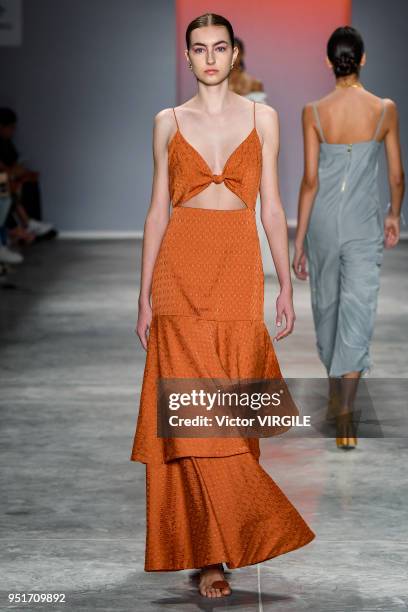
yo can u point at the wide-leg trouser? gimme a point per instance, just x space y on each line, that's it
344 285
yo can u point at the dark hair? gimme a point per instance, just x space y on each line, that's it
7 116
345 49
206 20
240 44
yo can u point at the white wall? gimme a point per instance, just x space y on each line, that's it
86 83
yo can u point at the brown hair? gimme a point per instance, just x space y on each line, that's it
345 49
206 20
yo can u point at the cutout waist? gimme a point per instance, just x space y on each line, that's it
198 210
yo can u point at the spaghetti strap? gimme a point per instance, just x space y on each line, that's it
379 121
318 122
174 112
254 115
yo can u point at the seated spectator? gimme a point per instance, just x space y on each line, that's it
25 217
7 256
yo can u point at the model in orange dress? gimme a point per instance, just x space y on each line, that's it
208 500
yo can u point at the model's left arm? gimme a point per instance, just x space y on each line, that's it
396 175
273 217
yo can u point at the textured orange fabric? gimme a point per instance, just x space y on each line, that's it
204 510
208 499
207 302
189 173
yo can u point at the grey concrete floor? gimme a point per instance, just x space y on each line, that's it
72 504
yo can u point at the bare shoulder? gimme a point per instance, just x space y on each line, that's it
164 126
309 105
390 102
390 106
308 112
390 109
266 116
267 124
164 119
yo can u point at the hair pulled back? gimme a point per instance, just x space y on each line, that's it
206 20
345 49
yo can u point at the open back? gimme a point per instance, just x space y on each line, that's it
342 126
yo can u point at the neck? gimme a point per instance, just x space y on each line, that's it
214 99
351 80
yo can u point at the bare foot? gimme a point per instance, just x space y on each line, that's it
213 574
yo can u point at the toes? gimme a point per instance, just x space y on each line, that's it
210 591
206 591
213 588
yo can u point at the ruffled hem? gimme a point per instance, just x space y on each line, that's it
192 347
202 511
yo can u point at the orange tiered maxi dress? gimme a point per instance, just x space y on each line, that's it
208 500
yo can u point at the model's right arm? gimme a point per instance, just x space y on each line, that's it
395 176
308 189
156 221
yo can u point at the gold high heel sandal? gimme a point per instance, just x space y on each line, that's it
345 434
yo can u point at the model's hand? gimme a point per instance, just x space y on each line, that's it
284 307
299 263
143 322
391 231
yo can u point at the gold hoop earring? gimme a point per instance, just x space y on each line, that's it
190 66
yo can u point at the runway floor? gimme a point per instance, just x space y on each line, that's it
72 504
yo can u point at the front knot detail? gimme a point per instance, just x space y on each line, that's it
217 178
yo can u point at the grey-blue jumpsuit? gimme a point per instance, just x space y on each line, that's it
344 248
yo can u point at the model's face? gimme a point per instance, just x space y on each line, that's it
211 54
